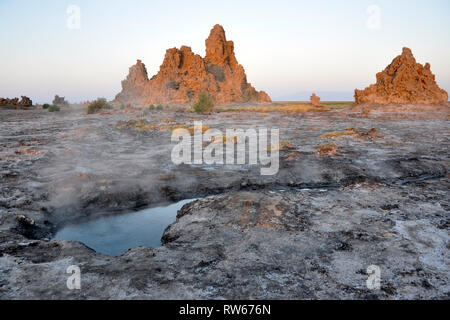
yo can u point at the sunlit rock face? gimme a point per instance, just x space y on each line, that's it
315 100
183 75
403 81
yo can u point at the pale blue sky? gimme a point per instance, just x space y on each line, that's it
288 48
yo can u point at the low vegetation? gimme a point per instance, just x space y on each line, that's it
53 108
143 125
191 129
283 145
337 104
45 106
327 149
98 105
159 107
204 104
138 125
264 110
226 139
338 134
368 135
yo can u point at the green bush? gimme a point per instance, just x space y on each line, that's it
204 103
152 107
45 106
53 108
159 107
98 105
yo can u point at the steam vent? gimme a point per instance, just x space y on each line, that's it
184 75
404 81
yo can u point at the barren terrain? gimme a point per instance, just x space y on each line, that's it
359 186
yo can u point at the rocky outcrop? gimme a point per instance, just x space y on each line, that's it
184 75
315 100
60 101
14 103
404 81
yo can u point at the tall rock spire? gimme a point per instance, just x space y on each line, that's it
183 75
219 51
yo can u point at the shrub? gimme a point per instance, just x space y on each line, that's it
45 106
98 105
338 134
204 103
152 107
159 107
53 108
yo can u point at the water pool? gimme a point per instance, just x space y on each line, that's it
115 234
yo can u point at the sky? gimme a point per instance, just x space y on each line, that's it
288 48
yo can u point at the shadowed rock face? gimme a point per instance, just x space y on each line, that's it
60 101
403 81
184 75
14 103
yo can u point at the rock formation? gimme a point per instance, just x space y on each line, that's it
60 101
184 75
404 81
14 103
315 100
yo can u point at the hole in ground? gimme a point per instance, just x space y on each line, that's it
115 234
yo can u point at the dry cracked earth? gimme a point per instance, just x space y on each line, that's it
380 197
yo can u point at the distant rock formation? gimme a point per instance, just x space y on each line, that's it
404 81
184 75
60 101
315 100
14 103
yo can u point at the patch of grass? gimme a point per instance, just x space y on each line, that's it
204 104
53 108
337 104
338 134
283 145
191 129
370 135
185 110
292 156
327 149
225 139
98 105
138 125
289 108
143 125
